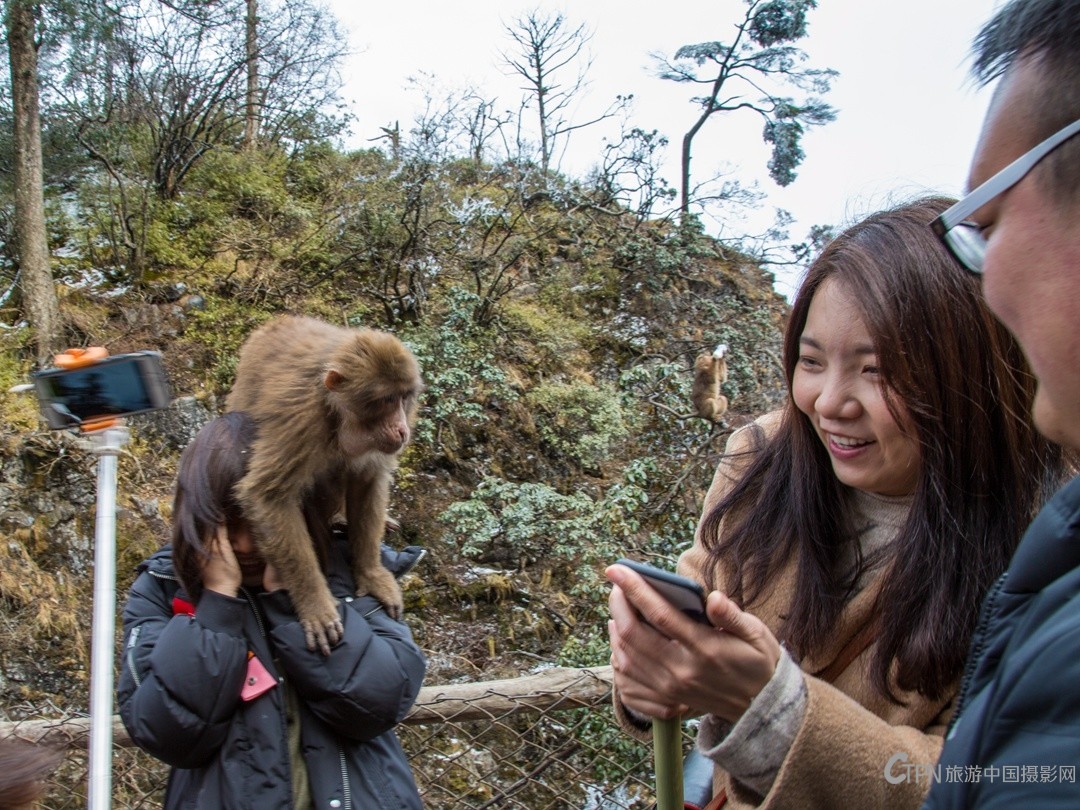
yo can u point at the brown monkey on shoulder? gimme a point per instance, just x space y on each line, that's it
334 408
710 370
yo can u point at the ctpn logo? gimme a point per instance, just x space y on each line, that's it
899 771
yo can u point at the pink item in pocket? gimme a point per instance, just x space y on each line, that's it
257 680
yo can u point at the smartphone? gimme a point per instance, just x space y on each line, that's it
118 385
685 594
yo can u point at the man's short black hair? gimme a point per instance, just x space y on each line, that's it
1048 33
1047 28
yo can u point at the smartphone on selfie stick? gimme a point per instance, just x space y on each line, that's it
93 386
90 391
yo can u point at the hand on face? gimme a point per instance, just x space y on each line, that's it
235 561
221 572
667 665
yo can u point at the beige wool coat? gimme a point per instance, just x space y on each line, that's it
850 731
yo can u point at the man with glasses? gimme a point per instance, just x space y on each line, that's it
1015 734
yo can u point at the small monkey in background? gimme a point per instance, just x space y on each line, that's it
334 408
710 370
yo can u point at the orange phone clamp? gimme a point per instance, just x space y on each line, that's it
77 358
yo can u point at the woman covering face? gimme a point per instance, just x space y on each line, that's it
850 537
216 678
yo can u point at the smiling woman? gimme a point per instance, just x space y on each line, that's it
860 526
837 385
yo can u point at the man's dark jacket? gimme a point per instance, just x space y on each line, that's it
179 695
1015 739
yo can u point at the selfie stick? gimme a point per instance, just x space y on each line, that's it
667 763
107 443
107 436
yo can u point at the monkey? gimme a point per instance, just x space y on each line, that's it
334 407
710 370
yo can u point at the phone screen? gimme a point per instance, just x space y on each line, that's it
115 386
685 594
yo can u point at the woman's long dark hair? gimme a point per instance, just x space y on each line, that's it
210 467
984 470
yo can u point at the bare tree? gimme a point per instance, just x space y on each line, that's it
551 57
251 52
628 174
480 123
746 74
38 292
300 52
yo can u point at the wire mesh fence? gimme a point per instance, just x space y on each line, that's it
543 741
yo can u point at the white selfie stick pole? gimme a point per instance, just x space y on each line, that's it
107 443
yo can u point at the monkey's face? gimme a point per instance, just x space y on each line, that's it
374 386
382 426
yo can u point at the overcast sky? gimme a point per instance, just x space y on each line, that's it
908 114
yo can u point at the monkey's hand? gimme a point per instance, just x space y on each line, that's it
381 584
318 613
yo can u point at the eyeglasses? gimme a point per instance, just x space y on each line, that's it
963 238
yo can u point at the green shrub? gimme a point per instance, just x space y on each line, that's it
578 420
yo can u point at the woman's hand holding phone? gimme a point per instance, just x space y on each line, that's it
669 666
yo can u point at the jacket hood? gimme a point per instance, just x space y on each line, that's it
160 563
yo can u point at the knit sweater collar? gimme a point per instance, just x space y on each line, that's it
884 511
877 520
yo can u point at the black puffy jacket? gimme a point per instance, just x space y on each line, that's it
180 683
1015 739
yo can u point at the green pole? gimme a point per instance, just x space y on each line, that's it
667 763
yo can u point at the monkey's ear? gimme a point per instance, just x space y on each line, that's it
333 379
